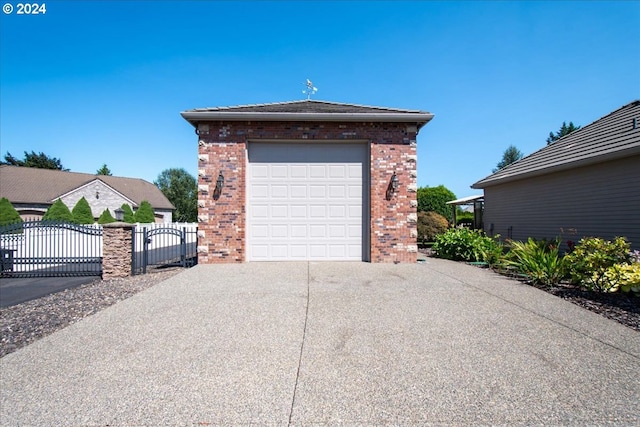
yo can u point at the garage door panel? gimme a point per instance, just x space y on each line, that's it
259 211
317 211
298 172
337 211
298 191
279 191
277 171
279 211
304 201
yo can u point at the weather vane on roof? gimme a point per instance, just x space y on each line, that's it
310 90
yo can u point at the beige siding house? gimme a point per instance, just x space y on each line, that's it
33 190
585 184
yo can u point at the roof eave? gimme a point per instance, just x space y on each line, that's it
194 117
488 182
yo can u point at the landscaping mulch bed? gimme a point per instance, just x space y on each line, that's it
624 308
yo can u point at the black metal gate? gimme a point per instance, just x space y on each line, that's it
50 249
162 245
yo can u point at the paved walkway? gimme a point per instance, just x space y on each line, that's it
330 344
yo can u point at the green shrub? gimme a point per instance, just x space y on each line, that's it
82 212
464 218
430 224
539 260
592 257
8 214
464 244
106 217
128 214
58 211
624 277
144 214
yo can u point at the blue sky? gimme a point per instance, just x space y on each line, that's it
104 82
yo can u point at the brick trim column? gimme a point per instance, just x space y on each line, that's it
116 250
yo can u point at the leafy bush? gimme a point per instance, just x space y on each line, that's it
625 277
58 211
592 257
106 217
8 214
430 224
434 199
144 214
464 244
128 214
82 212
539 260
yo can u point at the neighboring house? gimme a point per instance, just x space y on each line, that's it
33 190
585 184
307 180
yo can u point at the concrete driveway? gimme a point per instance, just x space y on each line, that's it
438 343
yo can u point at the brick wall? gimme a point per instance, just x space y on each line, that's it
222 147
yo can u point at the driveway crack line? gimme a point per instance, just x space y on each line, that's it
304 335
557 322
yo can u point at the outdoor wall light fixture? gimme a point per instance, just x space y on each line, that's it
219 184
119 214
97 194
393 186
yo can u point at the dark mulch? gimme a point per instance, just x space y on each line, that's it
622 307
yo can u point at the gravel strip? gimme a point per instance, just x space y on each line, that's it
22 324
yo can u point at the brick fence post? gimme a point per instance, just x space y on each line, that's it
116 250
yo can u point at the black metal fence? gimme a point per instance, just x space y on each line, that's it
50 249
163 245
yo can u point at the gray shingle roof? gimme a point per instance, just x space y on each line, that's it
307 110
43 186
307 106
610 137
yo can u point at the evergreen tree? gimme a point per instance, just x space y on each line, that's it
106 217
128 214
8 214
58 211
82 212
33 160
144 214
104 170
564 130
510 155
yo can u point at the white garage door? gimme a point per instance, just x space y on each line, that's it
305 201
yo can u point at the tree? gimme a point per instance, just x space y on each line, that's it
434 199
510 155
33 160
182 191
128 214
564 130
58 211
144 213
8 214
82 212
104 170
106 217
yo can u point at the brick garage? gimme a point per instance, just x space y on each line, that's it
306 180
